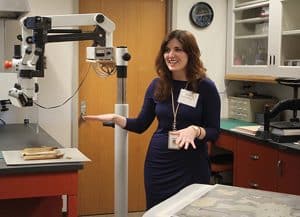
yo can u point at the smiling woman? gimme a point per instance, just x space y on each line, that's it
187 106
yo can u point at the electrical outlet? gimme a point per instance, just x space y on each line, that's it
83 108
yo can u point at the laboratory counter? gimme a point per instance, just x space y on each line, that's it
258 163
228 124
19 136
36 189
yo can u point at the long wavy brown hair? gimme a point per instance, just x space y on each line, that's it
195 68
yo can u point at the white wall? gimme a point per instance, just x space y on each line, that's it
62 67
211 40
60 79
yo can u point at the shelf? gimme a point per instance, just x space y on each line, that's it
251 6
253 20
291 32
254 78
249 3
251 36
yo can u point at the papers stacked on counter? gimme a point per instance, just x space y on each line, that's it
248 130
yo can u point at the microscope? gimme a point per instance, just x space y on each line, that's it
29 62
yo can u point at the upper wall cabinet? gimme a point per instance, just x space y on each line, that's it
263 37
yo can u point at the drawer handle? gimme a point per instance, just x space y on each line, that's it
253 185
254 157
279 167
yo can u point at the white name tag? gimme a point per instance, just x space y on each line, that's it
188 98
172 142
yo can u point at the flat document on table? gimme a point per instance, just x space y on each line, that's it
249 130
231 201
226 201
178 201
69 155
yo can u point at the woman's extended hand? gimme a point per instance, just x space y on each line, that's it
102 118
117 119
185 137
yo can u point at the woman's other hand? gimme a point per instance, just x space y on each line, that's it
186 137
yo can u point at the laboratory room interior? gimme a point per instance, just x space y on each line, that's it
62 61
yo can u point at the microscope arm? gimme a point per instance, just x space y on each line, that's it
29 60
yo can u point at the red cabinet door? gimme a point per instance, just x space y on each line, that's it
288 173
257 165
226 141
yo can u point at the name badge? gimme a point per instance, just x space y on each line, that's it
188 98
172 142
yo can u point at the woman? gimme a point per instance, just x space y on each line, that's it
187 106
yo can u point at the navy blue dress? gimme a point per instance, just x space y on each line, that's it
168 171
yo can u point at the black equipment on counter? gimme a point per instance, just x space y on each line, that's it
287 131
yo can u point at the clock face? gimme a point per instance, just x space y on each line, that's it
201 14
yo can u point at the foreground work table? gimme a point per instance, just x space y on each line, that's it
36 190
261 164
221 200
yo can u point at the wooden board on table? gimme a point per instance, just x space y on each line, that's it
70 155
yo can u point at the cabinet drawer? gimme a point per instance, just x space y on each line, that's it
257 165
289 173
245 108
226 141
239 115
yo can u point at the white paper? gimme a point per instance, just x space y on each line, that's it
249 130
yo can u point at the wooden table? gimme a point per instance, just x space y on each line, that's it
35 190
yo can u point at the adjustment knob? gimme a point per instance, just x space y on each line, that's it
100 18
126 56
7 64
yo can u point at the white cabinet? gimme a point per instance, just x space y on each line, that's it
263 37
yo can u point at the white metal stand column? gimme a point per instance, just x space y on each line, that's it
121 165
121 137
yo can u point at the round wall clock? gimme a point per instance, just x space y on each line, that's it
201 14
